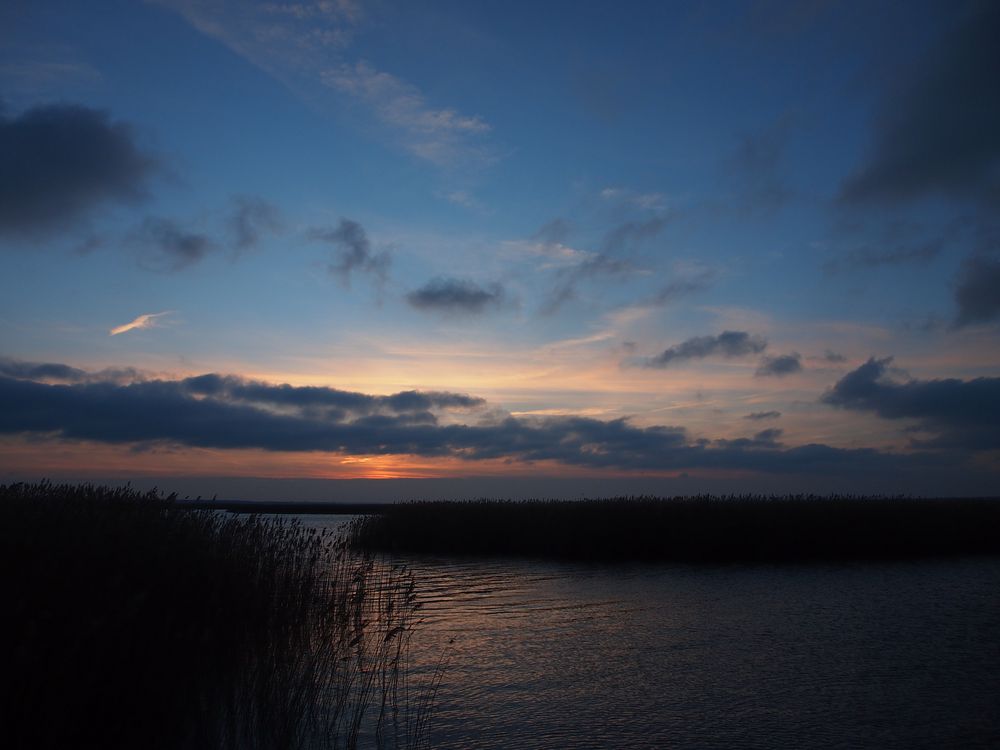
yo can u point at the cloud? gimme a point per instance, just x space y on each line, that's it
769 438
631 233
355 253
251 218
553 232
759 415
143 321
165 246
588 266
727 344
871 257
236 389
578 266
939 133
443 137
673 291
43 371
833 357
53 371
455 296
978 292
304 45
228 412
60 163
278 37
779 365
961 413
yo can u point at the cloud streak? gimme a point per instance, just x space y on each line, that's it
443 137
305 45
148 320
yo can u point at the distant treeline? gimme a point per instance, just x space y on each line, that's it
132 622
690 529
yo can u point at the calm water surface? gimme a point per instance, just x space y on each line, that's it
561 655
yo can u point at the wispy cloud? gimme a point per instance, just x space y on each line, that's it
305 45
148 320
440 136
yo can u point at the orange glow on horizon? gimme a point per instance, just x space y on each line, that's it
22 459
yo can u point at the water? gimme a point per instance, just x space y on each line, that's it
555 655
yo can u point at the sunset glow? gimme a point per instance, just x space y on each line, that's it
700 245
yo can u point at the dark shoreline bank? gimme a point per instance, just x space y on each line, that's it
697 529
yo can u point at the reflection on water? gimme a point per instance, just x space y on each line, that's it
560 655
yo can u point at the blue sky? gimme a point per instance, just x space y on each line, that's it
717 219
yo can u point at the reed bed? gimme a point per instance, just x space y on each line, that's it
690 529
133 623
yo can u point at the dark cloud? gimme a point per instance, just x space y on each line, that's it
726 344
59 163
251 218
354 251
236 389
871 257
940 131
961 413
56 372
764 439
978 292
165 246
779 365
13 368
759 415
455 296
226 412
834 357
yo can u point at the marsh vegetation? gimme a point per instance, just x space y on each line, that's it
131 622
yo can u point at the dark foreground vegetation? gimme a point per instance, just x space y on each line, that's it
132 623
695 529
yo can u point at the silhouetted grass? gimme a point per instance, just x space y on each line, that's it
131 623
718 529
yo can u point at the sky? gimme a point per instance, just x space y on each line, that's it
489 249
